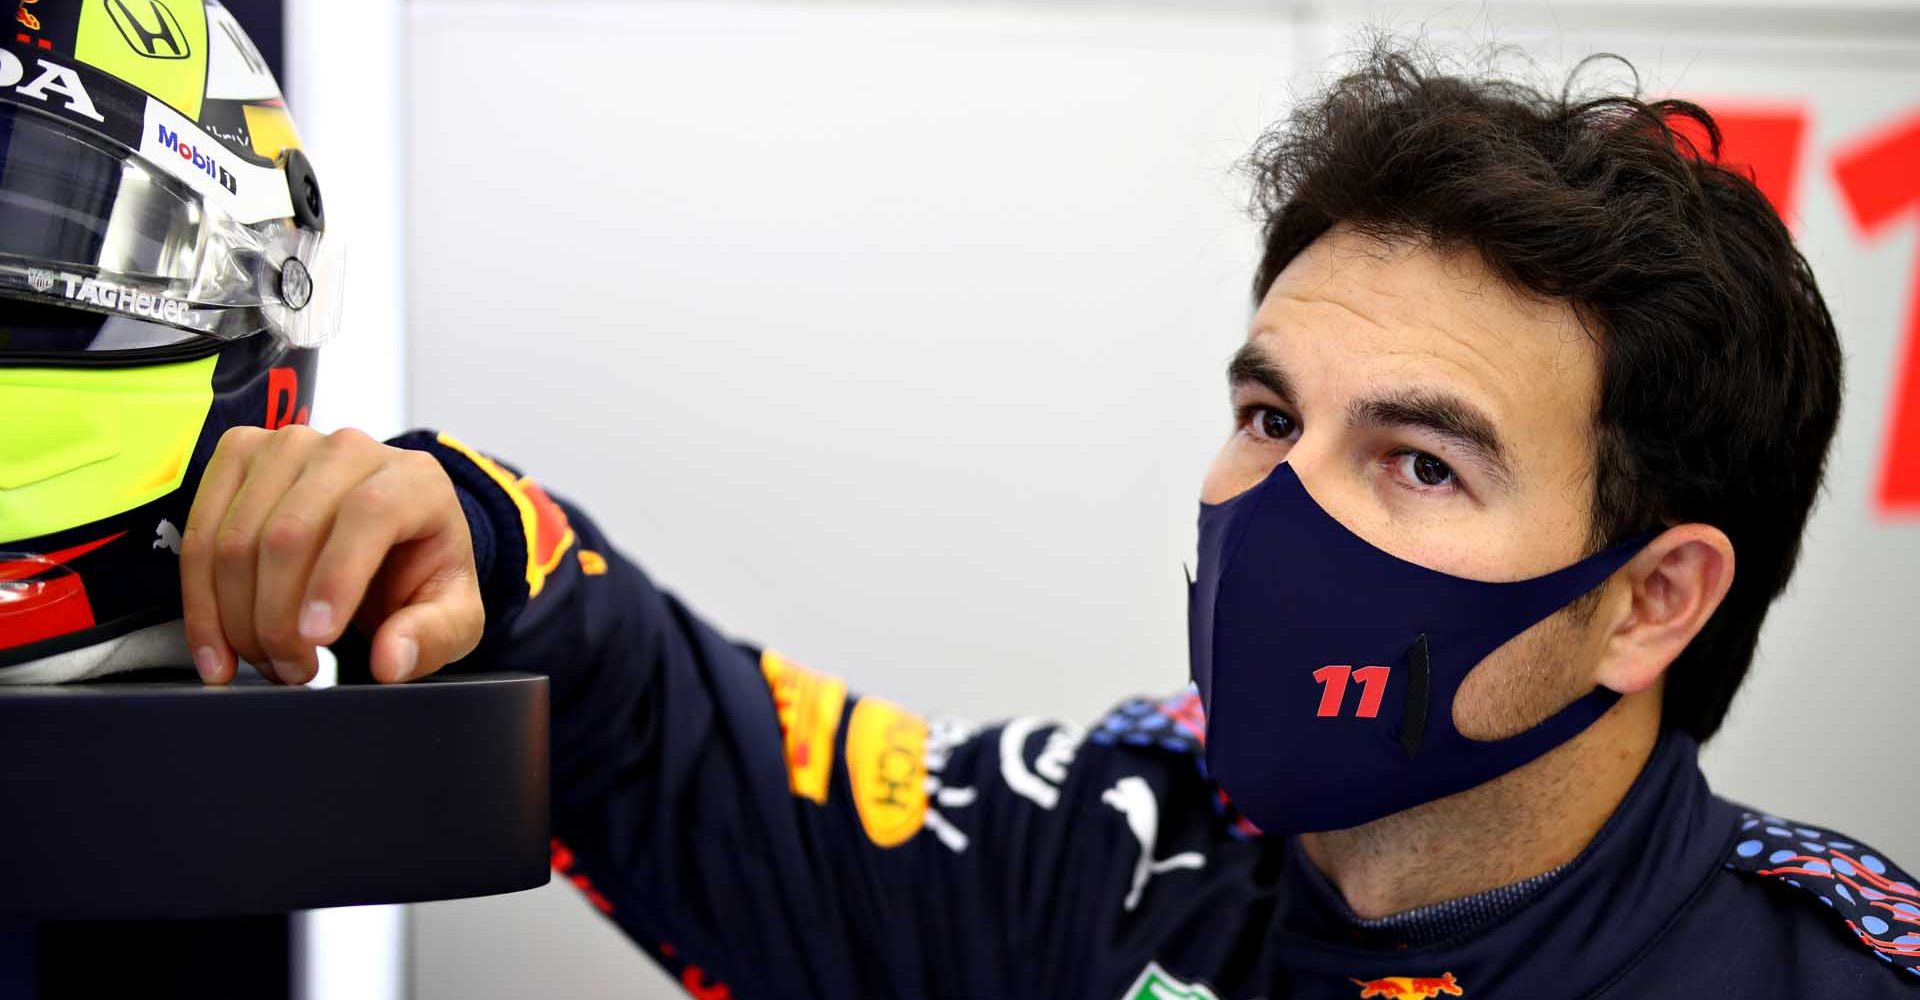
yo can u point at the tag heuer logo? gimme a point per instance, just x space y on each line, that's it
1155 984
149 28
39 280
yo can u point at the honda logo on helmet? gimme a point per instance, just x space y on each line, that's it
53 81
153 32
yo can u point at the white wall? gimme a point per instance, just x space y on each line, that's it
350 115
892 333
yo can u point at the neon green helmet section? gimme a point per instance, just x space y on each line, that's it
82 445
159 46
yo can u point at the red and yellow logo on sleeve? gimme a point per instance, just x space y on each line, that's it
887 766
1413 987
808 705
542 523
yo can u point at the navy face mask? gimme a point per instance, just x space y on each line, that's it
1328 667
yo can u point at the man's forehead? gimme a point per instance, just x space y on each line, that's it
1405 310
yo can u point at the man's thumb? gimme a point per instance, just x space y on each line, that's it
429 633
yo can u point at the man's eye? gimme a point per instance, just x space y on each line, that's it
1426 470
1273 424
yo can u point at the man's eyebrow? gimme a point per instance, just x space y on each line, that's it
1251 364
1441 413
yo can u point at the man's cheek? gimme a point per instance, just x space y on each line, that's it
1521 684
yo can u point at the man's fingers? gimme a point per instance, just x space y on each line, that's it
201 611
236 545
428 583
408 500
427 635
291 537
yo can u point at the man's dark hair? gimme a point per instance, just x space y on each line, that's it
1720 371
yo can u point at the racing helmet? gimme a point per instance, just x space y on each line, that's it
165 275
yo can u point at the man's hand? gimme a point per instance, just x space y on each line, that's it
294 534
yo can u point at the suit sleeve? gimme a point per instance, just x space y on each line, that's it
764 832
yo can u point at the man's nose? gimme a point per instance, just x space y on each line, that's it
1311 458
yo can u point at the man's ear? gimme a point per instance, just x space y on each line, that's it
1673 587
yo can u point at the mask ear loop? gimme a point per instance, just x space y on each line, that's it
1419 683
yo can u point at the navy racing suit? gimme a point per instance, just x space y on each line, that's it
764 832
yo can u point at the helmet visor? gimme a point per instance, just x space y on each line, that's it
88 227
66 201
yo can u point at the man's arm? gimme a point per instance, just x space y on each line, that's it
747 821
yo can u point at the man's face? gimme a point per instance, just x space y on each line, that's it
1444 418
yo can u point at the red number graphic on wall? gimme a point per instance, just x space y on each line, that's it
1764 143
1879 178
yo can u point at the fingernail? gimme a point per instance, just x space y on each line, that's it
409 654
316 621
285 671
207 662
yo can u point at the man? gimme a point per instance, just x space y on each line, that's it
1524 378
